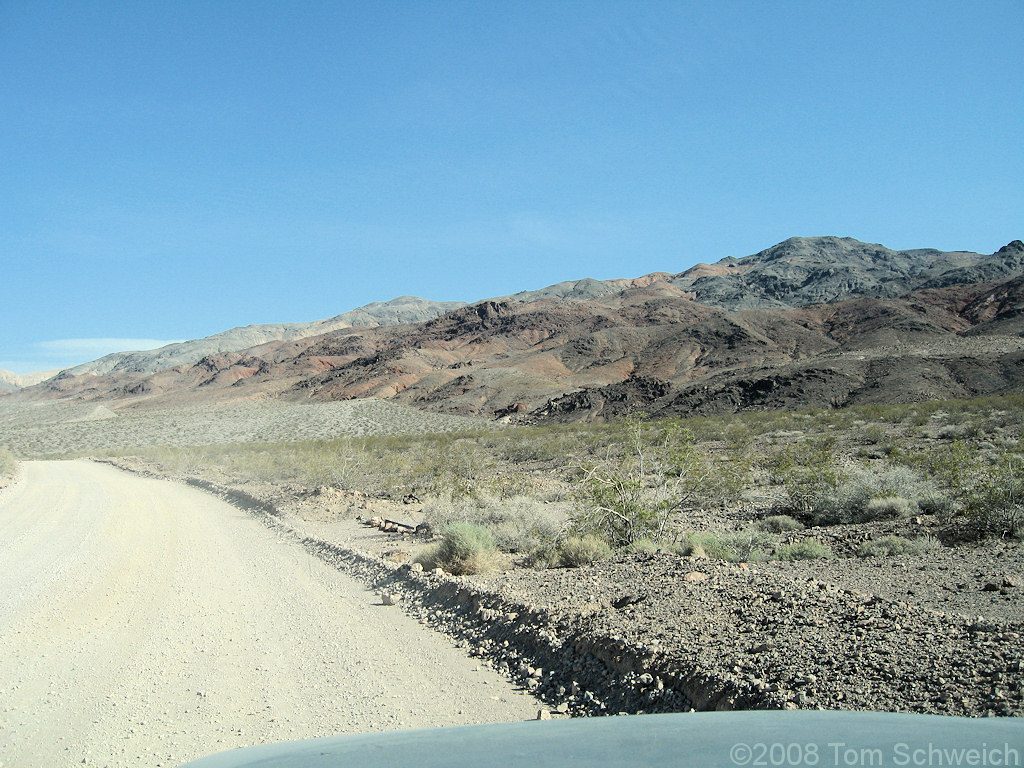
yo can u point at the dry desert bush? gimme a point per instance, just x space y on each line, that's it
8 465
465 548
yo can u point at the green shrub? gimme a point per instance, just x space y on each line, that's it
429 557
8 464
465 548
685 547
896 545
936 503
870 494
650 475
994 504
575 551
542 556
747 545
779 524
810 475
643 546
518 524
886 508
808 549
616 500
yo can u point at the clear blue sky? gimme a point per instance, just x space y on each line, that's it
170 170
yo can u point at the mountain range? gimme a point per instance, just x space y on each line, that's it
821 321
11 381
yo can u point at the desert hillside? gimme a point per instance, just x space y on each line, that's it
821 321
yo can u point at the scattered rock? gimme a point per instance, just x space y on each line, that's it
625 600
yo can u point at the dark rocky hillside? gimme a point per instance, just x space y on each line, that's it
818 270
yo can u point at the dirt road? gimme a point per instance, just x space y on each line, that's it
148 623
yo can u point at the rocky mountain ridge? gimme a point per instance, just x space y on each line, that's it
11 381
810 321
404 309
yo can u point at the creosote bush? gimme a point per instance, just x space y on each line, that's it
644 546
995 503
635 493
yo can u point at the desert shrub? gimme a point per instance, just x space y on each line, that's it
890 481
454 471
953 466
935 503
536 444
542 556
464 548
896 545
886 508
684 547
523 524
808 549
429 556
695 478
648 477
779 524
8 464
983 490
643 546
810 475
994 504
747 545
870 494
961 431
518 524
615 498
876 434
574 551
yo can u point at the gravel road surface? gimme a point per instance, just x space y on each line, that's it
144 622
